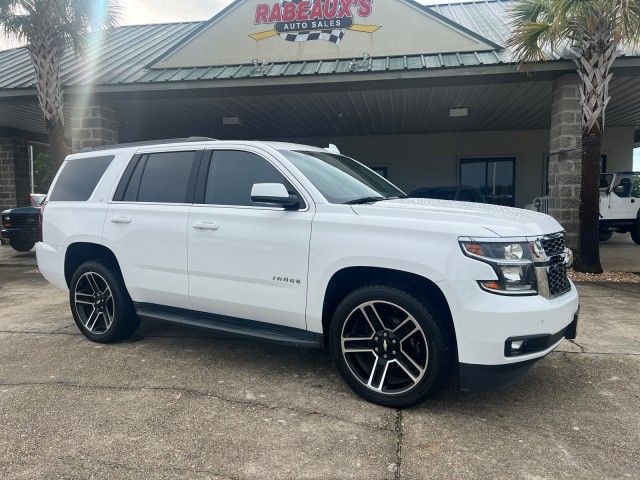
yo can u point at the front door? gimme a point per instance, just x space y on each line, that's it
247 260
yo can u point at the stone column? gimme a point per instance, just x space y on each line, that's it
565 155
15 181
93 125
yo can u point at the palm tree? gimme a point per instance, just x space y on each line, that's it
49 27
596 31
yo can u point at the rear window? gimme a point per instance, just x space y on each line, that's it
78 178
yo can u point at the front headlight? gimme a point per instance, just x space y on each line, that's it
512 262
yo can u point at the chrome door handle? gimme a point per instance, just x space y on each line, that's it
121 220
206 226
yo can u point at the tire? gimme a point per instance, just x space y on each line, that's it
635 232
21 245
605 235
99 286
401 312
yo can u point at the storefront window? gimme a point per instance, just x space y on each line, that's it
494 177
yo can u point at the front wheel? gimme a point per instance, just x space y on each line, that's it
21 245
635 232
388 346
100 303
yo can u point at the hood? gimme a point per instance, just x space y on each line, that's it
473 218
23 211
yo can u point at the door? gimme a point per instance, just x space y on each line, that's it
494 177
146 226
247 260
623 201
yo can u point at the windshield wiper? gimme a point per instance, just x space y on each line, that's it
364 200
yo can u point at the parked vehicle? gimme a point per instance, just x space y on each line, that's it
21 226
462 194
304 246
620 205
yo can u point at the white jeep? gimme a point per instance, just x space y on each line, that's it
620 204
304 246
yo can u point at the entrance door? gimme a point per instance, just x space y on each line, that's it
247 260
494 177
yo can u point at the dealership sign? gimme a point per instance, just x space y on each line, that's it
306 20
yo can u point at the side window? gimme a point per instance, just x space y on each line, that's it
79 178
164 178
233 173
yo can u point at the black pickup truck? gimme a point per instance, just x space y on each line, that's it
21 226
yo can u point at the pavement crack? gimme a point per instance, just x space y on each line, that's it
578 345
194 392
399 439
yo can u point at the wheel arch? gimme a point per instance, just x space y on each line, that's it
348 279
79 252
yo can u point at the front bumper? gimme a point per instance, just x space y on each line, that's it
479 378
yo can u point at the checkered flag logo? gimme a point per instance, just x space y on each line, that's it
334 36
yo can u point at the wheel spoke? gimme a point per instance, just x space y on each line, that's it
409 366
357 344
378 374
85 298
407 328
371 314
93 318
93 284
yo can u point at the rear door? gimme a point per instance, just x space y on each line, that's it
247 260
146 225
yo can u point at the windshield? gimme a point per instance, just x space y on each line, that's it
341 179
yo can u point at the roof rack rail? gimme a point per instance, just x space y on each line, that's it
148 143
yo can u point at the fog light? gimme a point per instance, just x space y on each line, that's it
517 345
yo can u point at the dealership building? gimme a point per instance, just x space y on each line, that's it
427 95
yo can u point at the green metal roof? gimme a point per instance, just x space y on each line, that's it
128 55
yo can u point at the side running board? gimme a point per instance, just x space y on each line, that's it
236 326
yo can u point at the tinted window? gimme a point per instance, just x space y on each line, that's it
232 175
165 178
78 178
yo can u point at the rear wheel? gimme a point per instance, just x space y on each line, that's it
605 235
21 245
635 232
100 303
388 346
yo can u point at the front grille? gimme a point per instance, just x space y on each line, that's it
558 280
553 245
29 221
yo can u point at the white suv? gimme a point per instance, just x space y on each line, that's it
304 246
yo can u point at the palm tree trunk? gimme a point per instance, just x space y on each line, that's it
588 254
57 145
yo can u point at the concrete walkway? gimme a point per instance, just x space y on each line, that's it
175 403
620 254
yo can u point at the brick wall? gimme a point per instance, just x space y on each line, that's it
565 155
93 125
15 182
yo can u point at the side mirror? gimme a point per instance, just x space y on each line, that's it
275 194
619 189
